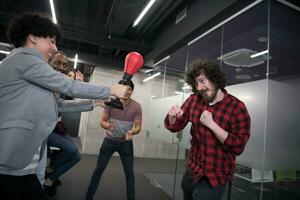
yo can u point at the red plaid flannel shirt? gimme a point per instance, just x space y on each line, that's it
208 156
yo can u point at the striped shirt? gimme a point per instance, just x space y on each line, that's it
30 168
208 156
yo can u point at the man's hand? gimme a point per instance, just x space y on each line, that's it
128 135
79 76
110 126
174 113
118 90
206 118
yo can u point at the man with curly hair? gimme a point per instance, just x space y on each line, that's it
220 130
27 103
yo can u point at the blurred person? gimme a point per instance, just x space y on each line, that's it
59 61
220 131
68 154
76 75
27 102
71 73
121 126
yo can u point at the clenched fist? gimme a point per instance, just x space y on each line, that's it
174 113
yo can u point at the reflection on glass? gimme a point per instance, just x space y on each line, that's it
161 143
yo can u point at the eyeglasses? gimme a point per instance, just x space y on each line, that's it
201 81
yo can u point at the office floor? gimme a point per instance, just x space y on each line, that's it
112 185
155 181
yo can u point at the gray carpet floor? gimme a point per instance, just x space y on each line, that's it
112 185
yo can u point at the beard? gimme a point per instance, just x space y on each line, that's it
208 98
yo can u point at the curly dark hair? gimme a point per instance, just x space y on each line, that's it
37 24
210 69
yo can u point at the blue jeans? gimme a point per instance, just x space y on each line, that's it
202 190
66 158
125 150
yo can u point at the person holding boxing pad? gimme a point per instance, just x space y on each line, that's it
27 104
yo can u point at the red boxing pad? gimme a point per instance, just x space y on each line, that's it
133 62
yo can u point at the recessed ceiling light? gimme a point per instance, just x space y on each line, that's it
238 70
243 77
262 39
241 58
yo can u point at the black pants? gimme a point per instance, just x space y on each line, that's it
25 187
125 150
200 191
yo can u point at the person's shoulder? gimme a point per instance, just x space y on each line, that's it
134 102
27 51
27 55
233 98
236 100
193 97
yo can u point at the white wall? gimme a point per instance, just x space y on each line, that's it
91 134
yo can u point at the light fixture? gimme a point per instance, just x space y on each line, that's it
75 61
53 12
151 77
259 53
177 92
242 58
4 52
166 58
148 70
139 18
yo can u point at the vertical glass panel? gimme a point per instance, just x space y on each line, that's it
157 81
207 47
244 37
159 107
160 143
176 70
283 135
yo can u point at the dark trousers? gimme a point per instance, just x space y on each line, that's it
25 187
66 158
125 150
202 190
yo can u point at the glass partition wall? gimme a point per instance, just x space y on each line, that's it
244 38
165 91
258 48
283 135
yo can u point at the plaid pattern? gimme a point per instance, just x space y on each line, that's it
208 156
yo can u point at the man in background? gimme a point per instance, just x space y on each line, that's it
121 126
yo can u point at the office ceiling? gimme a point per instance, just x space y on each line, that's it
101 30
232 44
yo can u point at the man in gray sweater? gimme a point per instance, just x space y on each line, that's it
27 104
